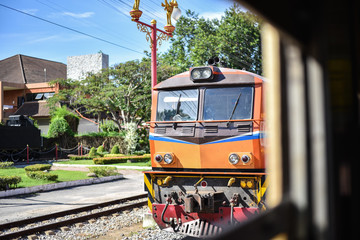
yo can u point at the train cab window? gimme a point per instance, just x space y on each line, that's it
178 105
228 103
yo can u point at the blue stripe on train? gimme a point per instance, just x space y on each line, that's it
255 135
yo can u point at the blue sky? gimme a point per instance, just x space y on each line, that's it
105 19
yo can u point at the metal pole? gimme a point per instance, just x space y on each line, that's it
56 152
153 54
27 153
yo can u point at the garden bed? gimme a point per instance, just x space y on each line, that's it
64 176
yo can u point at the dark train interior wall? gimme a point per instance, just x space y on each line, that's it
329 32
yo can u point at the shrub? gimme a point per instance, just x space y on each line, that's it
100 149
139 153
42 175
131 137
110 160
114 155
37 167
71 118
92 152
76 157
115 150
59 126
4 165
109 126
102 161
7 182
103 171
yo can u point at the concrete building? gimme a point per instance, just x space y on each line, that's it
79 66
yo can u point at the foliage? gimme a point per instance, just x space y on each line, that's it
37 167
109 126
58 127
92 152
76 157
104 171
123 92
100 149
110 160
115 149
143 140
114 155
131 138
42 175
235 39
7 182
63 122
102 134
4 165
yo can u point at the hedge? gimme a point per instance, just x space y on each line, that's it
4 165
110 160
104 171
37 167
42 175
7 182
114 155
77 157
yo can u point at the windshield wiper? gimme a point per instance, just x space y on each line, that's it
233 111
178 106
177 112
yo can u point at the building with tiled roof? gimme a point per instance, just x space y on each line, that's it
24 84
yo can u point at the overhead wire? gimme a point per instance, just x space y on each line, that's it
89 23
71 29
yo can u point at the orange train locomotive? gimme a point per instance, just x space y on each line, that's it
206 142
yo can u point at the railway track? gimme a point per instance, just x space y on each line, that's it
88 212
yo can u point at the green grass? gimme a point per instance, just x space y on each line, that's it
64 176
90 162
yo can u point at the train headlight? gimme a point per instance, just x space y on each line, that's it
234 158
158 158
201 73
168 158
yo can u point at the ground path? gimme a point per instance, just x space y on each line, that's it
21 207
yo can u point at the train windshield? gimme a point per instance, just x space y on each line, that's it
228 103
178 105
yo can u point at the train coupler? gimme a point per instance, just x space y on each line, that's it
206 202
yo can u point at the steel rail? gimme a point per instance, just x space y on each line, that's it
55 225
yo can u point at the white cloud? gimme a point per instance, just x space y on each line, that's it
30 11
212 15
43 39
79 15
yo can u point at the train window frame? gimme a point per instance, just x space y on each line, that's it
182 120
235 86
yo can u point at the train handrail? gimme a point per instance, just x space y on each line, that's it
206 121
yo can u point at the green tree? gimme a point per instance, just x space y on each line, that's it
122 92
239 40
235 39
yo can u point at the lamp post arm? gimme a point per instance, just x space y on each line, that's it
151 26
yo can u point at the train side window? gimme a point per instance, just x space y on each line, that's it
180 105
228 103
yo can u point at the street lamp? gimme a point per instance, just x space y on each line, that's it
154 34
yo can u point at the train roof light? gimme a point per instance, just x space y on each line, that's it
201 73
